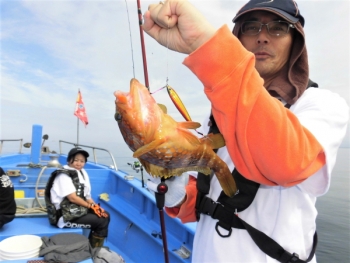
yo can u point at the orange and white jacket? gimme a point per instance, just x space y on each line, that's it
290 152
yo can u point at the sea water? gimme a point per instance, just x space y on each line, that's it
333 221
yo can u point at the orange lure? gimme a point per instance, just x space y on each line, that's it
178 103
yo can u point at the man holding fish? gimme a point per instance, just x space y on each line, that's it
281 132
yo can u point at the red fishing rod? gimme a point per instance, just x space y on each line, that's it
162 188
145 71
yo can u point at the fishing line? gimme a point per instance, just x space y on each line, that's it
159 89
167 54
132 49
167 62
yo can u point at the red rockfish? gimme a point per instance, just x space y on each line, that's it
165 147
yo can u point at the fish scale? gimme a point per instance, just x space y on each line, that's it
165 147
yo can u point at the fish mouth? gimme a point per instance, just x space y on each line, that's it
136 91
121 100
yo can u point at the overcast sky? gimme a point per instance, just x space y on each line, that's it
51 49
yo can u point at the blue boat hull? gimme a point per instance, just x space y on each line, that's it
134 230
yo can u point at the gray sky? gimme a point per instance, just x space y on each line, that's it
50 49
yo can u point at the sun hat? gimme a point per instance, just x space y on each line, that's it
75 151
288 9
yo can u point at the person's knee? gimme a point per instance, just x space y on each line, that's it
109 217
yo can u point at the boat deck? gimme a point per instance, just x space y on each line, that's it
134 218
134 230
31 225
40 226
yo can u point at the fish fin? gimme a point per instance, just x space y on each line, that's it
215 141
158 171
163 108
225 178
148 147
189 125
188 136
227 183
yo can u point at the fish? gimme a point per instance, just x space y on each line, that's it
165 147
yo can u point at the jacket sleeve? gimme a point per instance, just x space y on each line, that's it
186 212
266 141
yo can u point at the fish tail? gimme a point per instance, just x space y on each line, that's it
226 181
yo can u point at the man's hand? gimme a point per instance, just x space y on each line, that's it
98 210
176 189
178 25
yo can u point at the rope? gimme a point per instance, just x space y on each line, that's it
36 186
21 210
33 165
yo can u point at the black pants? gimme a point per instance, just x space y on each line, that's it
4 219
98 225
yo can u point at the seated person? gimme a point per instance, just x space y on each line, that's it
69 202
7 199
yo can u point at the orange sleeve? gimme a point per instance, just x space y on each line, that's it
186 212
265 140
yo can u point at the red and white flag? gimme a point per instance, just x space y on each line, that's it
80 109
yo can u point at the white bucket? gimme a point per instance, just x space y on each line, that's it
20 247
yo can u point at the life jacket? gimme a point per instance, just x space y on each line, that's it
67 209
225 209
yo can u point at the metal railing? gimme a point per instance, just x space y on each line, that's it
14 140
93 151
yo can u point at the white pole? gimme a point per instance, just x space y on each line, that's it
77 131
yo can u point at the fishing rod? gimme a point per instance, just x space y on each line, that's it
162 188
145 70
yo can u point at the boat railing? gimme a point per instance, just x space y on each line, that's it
12 140
93 151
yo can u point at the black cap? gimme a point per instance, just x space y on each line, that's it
287 9
75 151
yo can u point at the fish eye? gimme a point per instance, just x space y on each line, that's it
117 116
